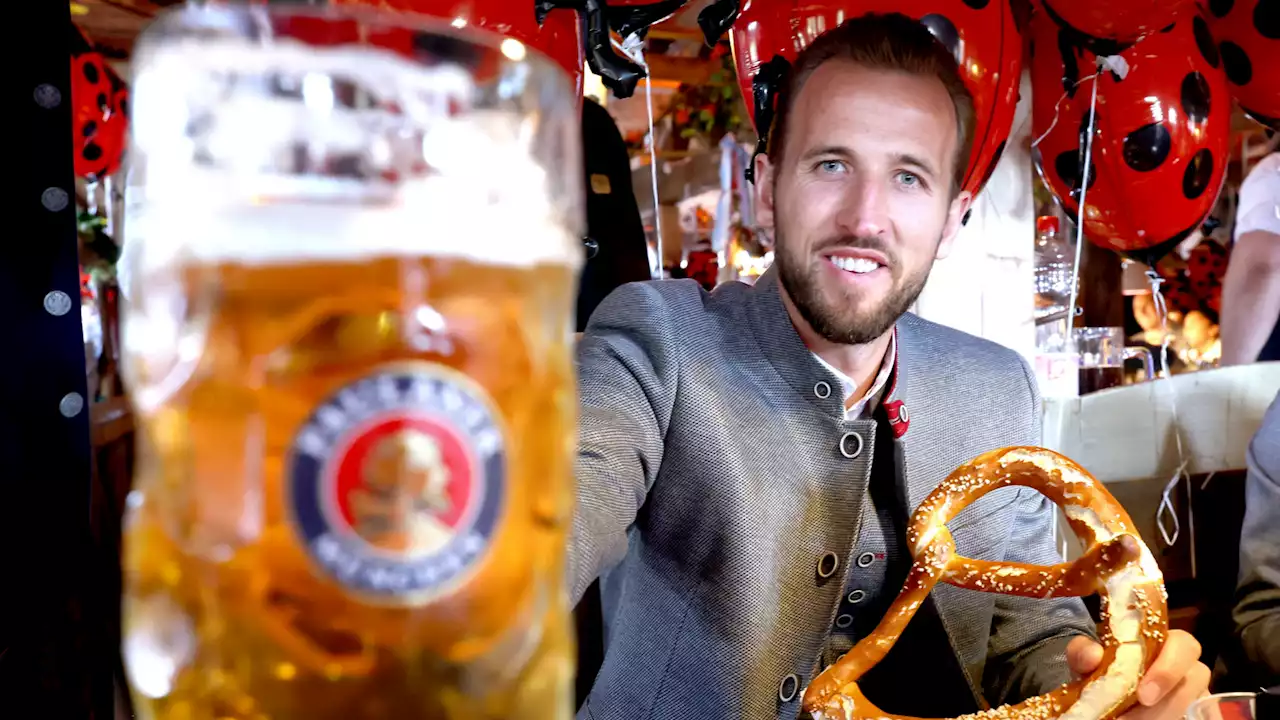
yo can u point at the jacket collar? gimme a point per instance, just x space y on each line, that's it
792 360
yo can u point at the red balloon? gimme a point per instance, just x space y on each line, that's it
761 32
982 34
559 37
1248 35
1126 21
97 128
1160 143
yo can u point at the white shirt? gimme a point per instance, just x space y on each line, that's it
1259 207
859 409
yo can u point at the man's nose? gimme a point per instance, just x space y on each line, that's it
864 212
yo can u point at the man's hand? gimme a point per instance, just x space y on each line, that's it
1174 681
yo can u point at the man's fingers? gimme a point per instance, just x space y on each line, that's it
1180 654
1174 704
1083 655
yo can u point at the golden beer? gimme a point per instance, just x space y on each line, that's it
356 406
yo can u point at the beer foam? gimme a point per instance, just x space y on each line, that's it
293 232
219 179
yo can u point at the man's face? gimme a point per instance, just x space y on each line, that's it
861 201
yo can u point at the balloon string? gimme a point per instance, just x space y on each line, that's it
1057 108
1080 216
1166 509
633 48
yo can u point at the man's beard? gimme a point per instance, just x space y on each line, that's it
856 325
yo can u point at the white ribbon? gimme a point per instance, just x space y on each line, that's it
633 48
1166 510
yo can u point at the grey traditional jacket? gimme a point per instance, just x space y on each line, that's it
746 534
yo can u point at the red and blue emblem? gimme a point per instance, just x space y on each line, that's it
396 481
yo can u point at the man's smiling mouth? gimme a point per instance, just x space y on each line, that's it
855 265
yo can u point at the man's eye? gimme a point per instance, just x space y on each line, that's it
831 166
910 179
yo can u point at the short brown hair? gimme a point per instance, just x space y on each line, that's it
882 42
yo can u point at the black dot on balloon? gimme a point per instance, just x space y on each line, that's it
944 31
1236 62
1266 18
1220 8
1169 28
1204 41
90 71
1067 165
1195 97
89 129
124 106
91 152
1195 179
976 4
1147 147
102 102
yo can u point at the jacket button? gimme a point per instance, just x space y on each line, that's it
822 390
851 445
844 621
827 565
788 688
865 559
856 597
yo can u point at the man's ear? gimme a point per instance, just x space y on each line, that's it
764 190
955 215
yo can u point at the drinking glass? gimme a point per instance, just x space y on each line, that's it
1224 706
1102 354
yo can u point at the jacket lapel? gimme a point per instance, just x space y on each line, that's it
916 483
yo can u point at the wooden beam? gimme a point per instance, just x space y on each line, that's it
672 32
681 70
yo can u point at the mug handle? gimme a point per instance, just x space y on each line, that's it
1148 360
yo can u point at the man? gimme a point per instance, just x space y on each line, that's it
1254 657
1251 289
749 457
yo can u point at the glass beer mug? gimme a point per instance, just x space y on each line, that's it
348 342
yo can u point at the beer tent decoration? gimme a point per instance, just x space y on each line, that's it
99 101
983 35
1159 133
1248 37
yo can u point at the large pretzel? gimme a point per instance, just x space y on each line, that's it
1116 564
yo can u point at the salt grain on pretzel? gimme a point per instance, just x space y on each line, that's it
1115 564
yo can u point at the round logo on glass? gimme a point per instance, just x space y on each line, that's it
395 483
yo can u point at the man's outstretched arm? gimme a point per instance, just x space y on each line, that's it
627 374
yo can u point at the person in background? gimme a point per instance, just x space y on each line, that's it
1252 660
615 246
1251 289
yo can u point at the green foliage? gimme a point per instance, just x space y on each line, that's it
714 108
